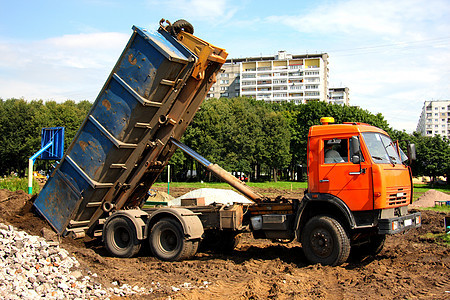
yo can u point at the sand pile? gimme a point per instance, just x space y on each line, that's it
429 197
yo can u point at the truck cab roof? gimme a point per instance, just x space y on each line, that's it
346 128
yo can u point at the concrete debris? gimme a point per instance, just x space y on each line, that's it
32 267
220 196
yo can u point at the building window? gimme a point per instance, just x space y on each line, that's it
224 95
211 89
223 88
224 75
224 82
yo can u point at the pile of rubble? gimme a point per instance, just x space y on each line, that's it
31 267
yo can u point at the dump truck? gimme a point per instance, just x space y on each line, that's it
358 186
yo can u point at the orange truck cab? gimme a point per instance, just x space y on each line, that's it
358 191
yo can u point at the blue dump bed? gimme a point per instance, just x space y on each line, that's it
124 143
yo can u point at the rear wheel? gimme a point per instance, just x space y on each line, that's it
325 241
120 238
167 241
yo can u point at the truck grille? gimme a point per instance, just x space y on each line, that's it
398 197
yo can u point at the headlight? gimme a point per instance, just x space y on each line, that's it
394 225
418 220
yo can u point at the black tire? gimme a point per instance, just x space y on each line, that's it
167 241
193 249
120 238
181 25
325 241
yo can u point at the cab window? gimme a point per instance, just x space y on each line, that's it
335 151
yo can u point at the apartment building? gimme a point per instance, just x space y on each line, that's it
280 78
435 118
228 82
339 96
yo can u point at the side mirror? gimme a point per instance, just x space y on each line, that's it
412 152
356 155
356 159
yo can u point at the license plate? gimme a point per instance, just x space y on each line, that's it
408 222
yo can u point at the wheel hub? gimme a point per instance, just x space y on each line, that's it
321 243
168 240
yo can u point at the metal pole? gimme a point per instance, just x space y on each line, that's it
168 179
30 166
30 176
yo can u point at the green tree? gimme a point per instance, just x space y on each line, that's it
239 134
433 156
21 122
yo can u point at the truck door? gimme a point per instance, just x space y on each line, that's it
339 176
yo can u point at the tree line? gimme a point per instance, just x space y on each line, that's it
266 141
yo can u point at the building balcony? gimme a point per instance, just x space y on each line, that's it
278 68
295 75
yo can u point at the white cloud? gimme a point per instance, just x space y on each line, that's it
390 18
393 55
192 10
57 68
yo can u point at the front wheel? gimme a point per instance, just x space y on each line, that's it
324 240
167 241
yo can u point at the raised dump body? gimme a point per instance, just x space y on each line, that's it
121 148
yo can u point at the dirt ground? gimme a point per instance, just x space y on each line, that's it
411 266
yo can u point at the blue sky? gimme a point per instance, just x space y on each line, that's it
393 55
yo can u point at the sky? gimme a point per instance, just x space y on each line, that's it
392 55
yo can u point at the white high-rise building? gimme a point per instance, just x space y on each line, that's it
280 78
338 96
435 118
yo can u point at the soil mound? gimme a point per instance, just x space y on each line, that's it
11 203
412 265
429 197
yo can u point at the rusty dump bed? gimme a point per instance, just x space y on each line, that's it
124 143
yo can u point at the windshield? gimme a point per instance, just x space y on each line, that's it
381 148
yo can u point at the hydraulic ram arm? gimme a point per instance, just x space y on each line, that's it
220 173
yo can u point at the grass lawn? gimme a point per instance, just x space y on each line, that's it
420 189
14 183
280 185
